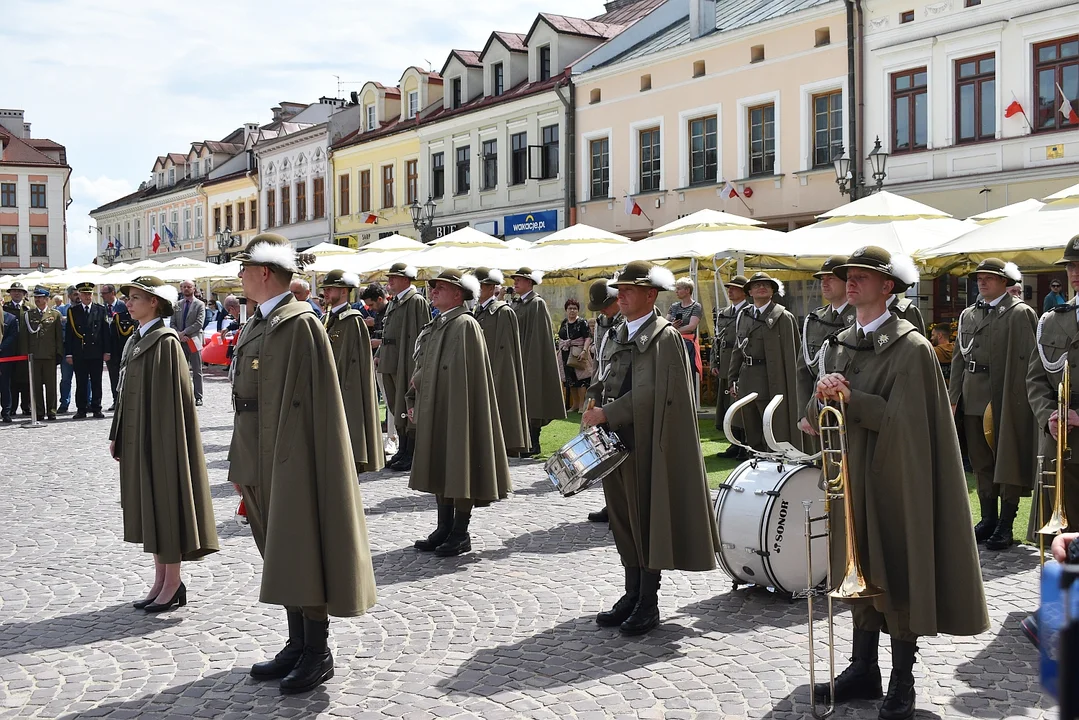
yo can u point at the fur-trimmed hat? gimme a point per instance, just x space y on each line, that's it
340 279
468 283
898 268
995 266
601 294
829 266
275 250
645 274
42 291
156 287
738 281
402 270
487 276
776 283
536 276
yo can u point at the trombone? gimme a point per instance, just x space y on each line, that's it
835 482
1059 520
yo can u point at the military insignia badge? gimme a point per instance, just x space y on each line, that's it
137 350
255 364
273 323
881 339
770 321
644 338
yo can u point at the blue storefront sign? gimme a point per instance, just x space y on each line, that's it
537 222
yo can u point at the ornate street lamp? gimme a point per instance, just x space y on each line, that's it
423 217
226 240
856 187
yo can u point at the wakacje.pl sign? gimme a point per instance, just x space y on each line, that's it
546 221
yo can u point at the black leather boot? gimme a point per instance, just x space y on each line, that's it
534 437
459 540
1002 537
315 665
861 679
983 530
599 516
442 531
645 615
624 607
899 702
285 660
404 450
405 463
400 451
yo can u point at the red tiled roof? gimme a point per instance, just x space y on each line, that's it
523 89
577 26
43 144
629 13
514 42
16 151
389 128
468 57
223 147
393 91
178 157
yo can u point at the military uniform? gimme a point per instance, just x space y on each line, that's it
722 349
45 342
86 343
657 500
988 371
121 329
18 375
766 347
292 458
406 314
9 347
908 494
905 308
544 396
503 338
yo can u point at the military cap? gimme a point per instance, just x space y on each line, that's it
763 277
536 276
645 274
487 276
341 279
898 268
1071 252
274 250
829 266
402 270
156 287
42 291
601 294
738 281
468 283
86 286
995 266
17 286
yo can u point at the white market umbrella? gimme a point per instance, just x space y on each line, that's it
704 220
518 244
324 248
464 248
566 249
374 256
991 216
1033 240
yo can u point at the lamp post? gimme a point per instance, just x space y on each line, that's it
423 217
225 240
857 187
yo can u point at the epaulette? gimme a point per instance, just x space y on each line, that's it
1062 308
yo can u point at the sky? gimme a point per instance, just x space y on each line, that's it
119 83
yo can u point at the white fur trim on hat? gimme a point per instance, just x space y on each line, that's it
470 283
537 277
904 269
661 277
1011 271
168 293
351 279
612 290
265 253
410 271
780 289
496 277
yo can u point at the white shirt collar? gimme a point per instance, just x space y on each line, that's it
527 295
632 326
994 303
340 307
839 310
143 329
483 306
402 293
871 327
740 305
268 306
761 311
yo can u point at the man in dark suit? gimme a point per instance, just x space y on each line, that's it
121 328
87 345
187 321
19 377
9 347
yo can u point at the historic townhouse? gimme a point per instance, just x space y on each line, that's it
34 195
701 94
376 168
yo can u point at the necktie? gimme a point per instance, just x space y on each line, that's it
983 305
187 306
861 334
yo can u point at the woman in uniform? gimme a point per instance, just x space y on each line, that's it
164 489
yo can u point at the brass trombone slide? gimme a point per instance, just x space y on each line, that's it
835 481
1059 520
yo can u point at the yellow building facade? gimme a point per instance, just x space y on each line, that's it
232 218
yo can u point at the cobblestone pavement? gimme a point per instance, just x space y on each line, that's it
504 632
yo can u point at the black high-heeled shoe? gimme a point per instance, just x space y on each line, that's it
179 599
141 604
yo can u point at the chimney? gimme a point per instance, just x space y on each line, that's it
250 130
702 18
12 121
26 131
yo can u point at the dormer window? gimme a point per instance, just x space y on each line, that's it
498 79
413 103
372 117
194 169
161 180
456 96
172 176
545 63
209 164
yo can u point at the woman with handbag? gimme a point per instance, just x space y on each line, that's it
574 343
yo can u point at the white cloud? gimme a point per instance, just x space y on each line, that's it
87 194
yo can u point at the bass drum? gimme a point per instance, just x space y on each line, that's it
761 522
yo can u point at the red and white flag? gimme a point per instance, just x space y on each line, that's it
1066 108
1014 109
370 219
728 192
632 208
157 241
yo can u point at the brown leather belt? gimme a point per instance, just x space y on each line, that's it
245 404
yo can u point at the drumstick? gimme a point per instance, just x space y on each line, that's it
591 404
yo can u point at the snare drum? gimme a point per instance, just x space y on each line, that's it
585 460
761 522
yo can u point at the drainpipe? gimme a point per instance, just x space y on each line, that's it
860 76
853 98
570 189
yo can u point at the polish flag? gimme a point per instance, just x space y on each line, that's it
632 208
1014 109
729 192
371 220
157 241
1066 108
